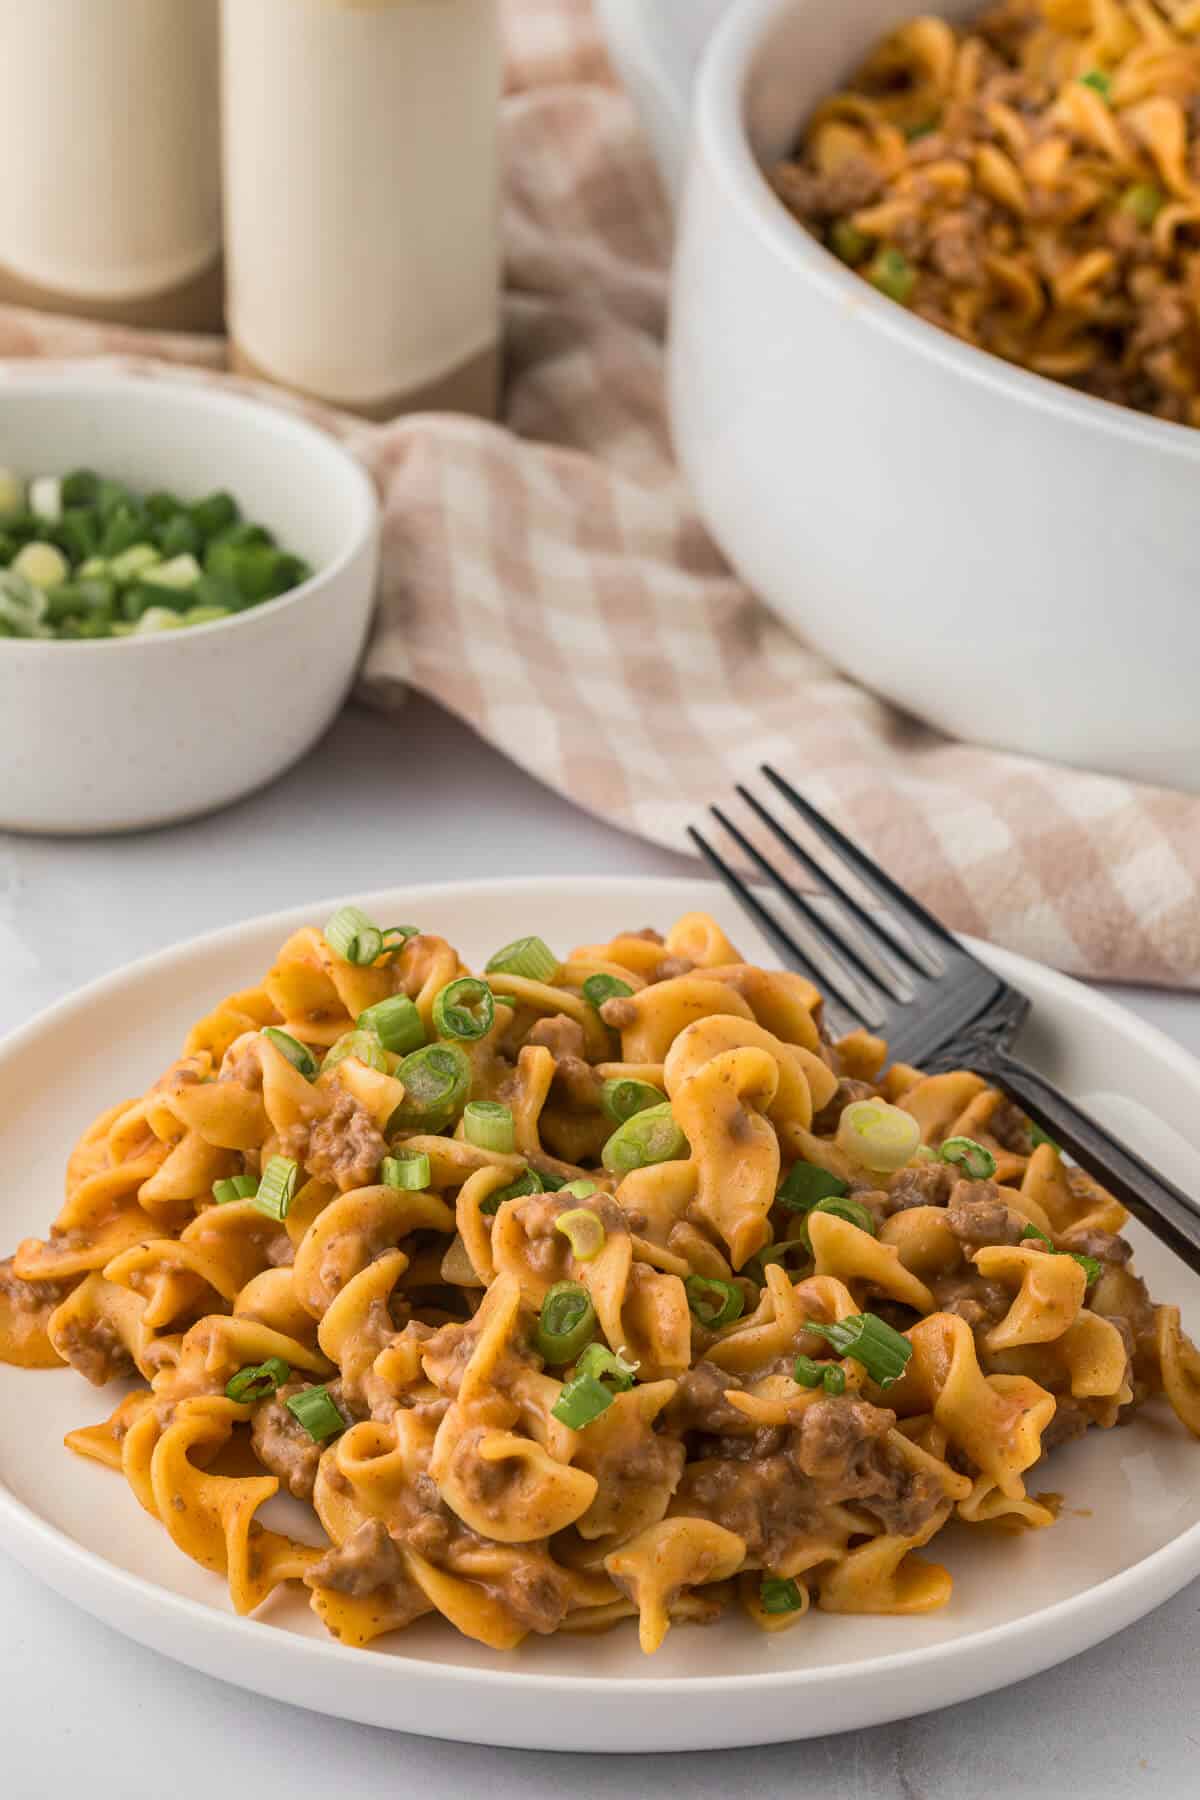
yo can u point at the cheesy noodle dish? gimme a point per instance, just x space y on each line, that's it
579 1290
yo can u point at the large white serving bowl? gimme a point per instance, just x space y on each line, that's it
1015 563
1128 1537
111 735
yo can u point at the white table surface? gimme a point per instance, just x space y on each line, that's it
82 1708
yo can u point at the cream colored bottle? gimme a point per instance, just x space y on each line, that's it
110 205
361 199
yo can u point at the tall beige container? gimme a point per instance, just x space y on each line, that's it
110 205
361 199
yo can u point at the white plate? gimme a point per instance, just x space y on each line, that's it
1129 1536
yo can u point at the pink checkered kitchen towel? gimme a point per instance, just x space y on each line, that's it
549 581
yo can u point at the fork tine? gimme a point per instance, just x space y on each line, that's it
861 954
861 950
911 912
822 968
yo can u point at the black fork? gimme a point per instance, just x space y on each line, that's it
885 963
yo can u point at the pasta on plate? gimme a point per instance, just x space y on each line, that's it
578 1291
1031 183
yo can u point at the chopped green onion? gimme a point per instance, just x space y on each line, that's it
1099 81
871 1341
353 937
841 1207
972 1158
234 1187
1038 1137
489 1126
650 1136
1144 201
779 1253
362 1045
621 1099
436 1083
893 275
606 1365
810 1374
80 487
713 1302
530 957
215 513
599 988
847 242
915 133
464 1009
581 1402
298 1054
583 1231
805 1184
406 1169
42 564
258 1381
528 1183
880 1137
566 1323
277 1188
396 936
777 1594
317 1411
1091 1267
45 497
395 1022
579 1189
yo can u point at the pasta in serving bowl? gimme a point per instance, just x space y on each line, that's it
579 1290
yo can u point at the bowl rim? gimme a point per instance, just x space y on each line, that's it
720 135
177 388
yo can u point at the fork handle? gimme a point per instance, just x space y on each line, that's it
1155 1202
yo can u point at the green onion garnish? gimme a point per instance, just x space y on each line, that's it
893 275
464 1009
1144 201
599 988
436 1082
395 1022
298 1054
852 1211
396 936
621 1099
650 1136
779 1253
810 1374
848 243
353 937
871 1341
554 1184
489 1126
713 1302
316 1410
805 1184
583 1231
528 1183
530 957
277 1188
1038 1137
234 1187
579 1189
406 1169
258 1381
1091 1267
777 1594
972 1158
1099 80
582 1400
364 1046
606 1365
566 1323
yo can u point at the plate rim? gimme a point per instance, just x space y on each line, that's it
1151 1575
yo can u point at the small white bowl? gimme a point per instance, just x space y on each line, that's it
116 735
1012 561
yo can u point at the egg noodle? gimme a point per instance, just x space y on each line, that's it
1030 183
579 1291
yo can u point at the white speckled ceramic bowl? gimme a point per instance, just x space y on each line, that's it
115 735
